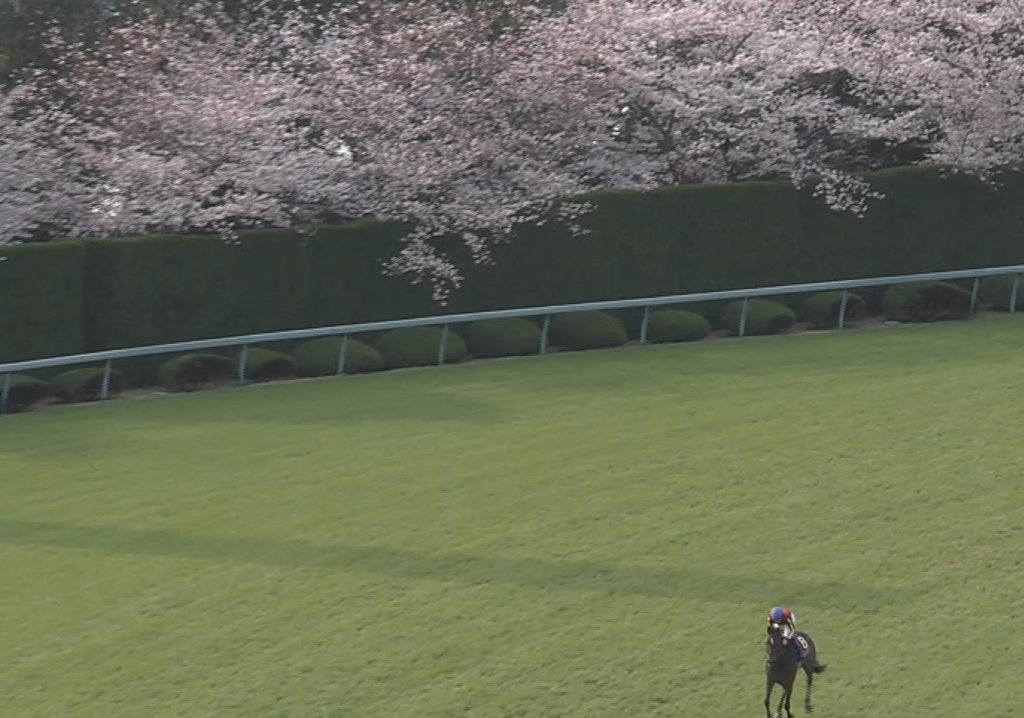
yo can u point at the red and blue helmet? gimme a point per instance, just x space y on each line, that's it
780 614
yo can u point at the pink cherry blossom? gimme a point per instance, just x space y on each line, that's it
466 121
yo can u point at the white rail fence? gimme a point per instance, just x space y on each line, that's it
446 320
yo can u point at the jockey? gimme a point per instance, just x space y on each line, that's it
786 620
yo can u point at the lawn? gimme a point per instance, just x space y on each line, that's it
589 534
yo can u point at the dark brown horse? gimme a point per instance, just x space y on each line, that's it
781 666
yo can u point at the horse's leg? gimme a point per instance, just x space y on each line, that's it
784 699
769 684
787 695
807 696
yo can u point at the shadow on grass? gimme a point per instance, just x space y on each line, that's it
605 577
323 403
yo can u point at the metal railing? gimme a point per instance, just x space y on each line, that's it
446 320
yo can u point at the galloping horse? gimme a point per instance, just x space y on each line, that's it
781 666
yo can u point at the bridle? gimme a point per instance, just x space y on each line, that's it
774 642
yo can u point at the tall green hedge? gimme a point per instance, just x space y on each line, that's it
169 288
104 293
707 237
149 290
41 300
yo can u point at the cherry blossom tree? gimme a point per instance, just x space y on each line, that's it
466 120
744 89
207 123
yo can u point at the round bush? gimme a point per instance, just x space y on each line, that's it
822 309
319 357
996 291
23 390
764 316
587 330
503 337
418 346
926 302
85 384
195 371
268 365
676 325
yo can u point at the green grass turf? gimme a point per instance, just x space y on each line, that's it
591 534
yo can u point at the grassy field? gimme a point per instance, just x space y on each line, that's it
592 534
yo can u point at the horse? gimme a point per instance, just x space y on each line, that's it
781 666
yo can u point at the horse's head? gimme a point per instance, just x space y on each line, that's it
775 644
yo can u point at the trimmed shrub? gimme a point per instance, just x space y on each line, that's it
996 291
926 302
319 357
268 365
764 316
587 330
676 325
24 390
822 309
503 337
418 346
195 371
78 385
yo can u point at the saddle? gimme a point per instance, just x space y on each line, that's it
796 646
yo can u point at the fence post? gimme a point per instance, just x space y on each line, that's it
342 353
6 394
442 345
643 325
1013 294
105 388
974 295
743 316
242 358
842 308
544 334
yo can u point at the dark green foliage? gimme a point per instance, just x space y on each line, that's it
319 357
267 365
926 302
822 309
503 337
418 346
346 280
711 311
676 325
195 371
86 384
23 391
586 330
872 297
161 288
141 372
996 292
40 300
675 240
764 316
695 238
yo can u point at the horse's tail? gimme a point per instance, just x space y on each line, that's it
819 668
